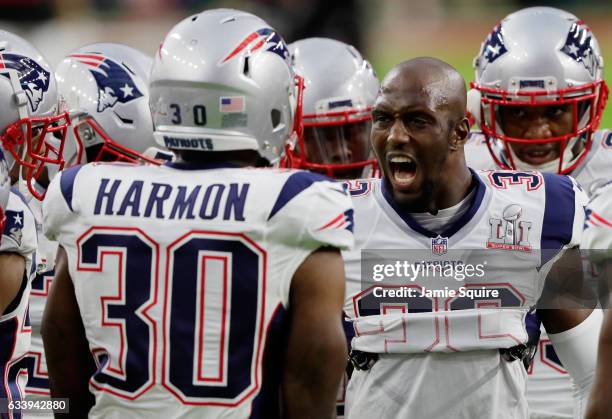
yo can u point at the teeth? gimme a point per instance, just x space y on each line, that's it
400 159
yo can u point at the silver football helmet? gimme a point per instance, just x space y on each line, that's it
32 132
340 87
539 56
105 87
222 80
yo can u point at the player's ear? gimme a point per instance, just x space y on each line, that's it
460 134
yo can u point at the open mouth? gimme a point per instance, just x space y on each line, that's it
402 169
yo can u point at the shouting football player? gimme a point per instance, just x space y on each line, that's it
447 354
206 287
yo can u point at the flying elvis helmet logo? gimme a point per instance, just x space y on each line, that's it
493 47
34 79
578 46
265 38
114 81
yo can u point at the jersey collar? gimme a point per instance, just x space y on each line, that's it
201 166
451 229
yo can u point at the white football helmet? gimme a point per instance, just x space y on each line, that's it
340 87
222 80
105 87
540 56
32 131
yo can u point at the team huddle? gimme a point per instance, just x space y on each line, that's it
191 234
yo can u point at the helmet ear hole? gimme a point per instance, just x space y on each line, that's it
245 68
275 116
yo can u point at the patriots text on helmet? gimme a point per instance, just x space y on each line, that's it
188 143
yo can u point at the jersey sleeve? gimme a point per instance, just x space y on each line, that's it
598 225
564 212
59 205
19 235
312 211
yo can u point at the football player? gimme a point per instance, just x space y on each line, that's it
427 355
32 133
105 88
204 287
339 90
539 95
34 128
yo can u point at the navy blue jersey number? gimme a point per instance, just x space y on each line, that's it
130 370
210 278
10 371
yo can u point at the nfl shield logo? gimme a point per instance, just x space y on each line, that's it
439 245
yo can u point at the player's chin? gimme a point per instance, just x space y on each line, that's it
537 155
406 194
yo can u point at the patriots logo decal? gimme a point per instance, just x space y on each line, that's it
344 221
33 78
14 225
578 47
265 38
115 85
493 47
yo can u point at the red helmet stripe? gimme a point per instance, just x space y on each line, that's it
242 45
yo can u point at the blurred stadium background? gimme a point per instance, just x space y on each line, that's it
385 31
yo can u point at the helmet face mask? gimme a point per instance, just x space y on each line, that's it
340 90
339 150
93 144
540 59
586 104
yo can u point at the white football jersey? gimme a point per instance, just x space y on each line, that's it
594 170
444 362
19 236
182 278
549 387
598 227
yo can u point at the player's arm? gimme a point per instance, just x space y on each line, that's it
572 326
12 268
316 355
69 361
